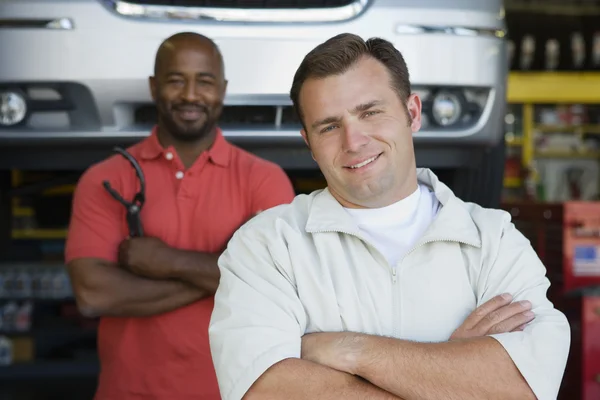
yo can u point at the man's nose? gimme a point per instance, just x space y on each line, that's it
190 92
353 139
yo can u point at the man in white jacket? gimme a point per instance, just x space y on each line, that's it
384 285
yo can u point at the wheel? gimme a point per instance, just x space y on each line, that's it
482 184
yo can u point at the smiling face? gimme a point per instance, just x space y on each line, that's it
188 89
360 134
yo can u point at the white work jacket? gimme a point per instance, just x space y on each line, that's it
305 267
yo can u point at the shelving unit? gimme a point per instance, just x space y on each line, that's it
527 93
52 341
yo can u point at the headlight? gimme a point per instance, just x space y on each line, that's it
13 108
446 108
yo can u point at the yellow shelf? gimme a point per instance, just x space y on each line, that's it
59 190
554 87
39 234
512 182
568 154
514 142
18 211
579 129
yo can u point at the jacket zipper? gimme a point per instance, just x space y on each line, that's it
396 301
396 305
432 241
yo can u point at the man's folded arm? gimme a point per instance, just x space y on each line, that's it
541 350
299 379
518 364
257 326
100 285
103 289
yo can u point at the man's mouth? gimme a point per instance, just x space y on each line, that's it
364 163
190 113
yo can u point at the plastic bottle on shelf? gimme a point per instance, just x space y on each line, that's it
6 351
595 57
60 285
10 281
23 318
9 313
36 283
46 281
23 284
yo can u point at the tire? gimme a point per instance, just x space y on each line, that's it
483 184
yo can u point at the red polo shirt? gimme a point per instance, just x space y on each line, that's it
168 356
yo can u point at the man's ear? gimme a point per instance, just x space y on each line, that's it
152 85
413 106
225 82
305 137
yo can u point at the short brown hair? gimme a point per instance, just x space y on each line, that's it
336 55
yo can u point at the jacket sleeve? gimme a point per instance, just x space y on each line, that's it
257 319
540 352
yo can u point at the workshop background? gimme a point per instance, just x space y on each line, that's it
551 187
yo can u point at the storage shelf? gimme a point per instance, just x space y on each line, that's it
579 129
568 154
512 182
50 369
553 87
514 142
39 234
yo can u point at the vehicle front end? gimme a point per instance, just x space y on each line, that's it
75 77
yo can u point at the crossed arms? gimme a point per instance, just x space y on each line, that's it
140 277
150 278
468 366
260 348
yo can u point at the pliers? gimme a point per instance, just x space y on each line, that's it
133 207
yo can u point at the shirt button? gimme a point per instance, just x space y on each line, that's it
169 156
179 175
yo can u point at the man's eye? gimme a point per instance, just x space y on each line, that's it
328 128
369 113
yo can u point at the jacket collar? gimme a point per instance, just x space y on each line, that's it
453 222
219 153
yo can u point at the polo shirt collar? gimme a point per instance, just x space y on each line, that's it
219 153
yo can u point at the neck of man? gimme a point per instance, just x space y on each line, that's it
402 191
187 150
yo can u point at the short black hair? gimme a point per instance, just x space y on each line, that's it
338 54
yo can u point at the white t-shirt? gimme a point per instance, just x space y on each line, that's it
396 228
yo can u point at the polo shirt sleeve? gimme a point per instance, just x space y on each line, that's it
540 352
257 319
95 226
270 186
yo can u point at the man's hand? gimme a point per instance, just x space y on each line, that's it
497 315
138 255
337 350
341 350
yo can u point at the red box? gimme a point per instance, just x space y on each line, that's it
566 237
591 347
581 238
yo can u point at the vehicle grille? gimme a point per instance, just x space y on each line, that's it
252 4
235 116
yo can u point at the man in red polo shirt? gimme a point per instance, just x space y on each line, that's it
154 294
